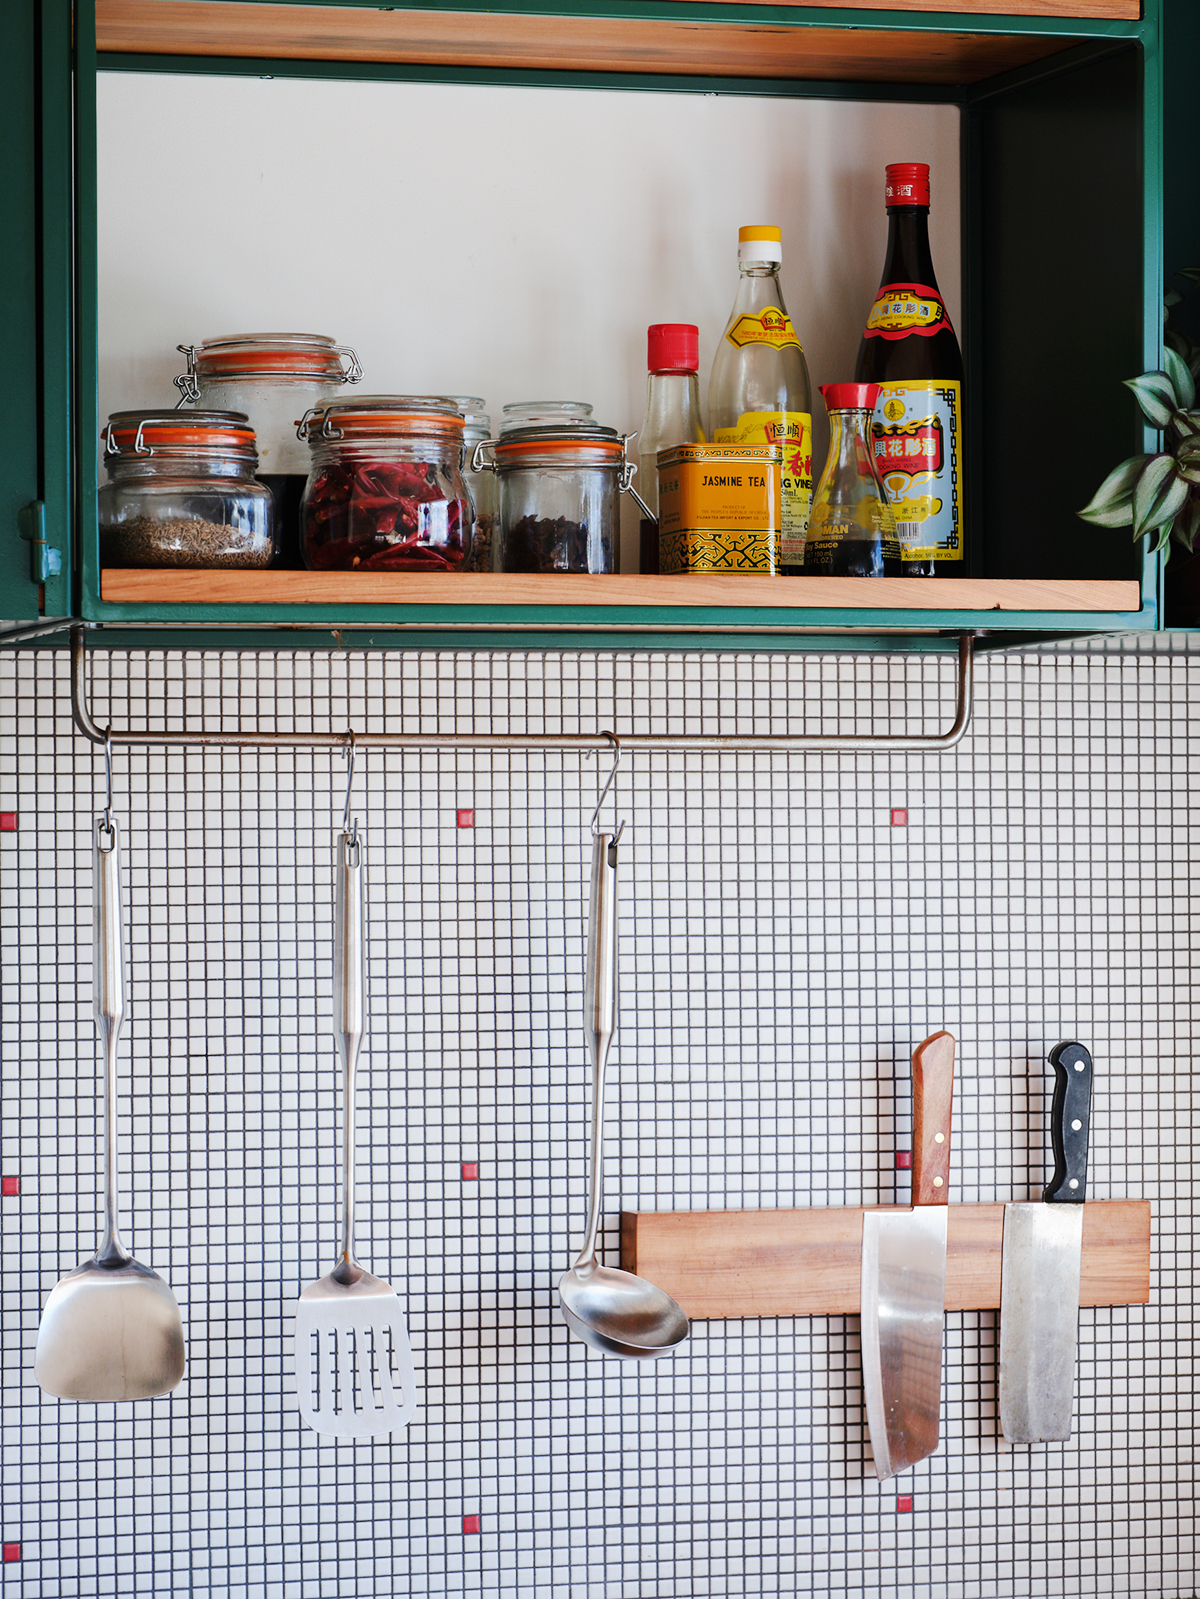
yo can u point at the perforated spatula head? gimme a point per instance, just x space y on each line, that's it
354 1367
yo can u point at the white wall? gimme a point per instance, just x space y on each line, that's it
510 243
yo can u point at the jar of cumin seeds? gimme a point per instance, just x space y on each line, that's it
182 492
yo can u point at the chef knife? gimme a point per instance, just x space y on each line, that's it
1039 1270
904 1281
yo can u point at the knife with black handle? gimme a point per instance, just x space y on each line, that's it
1040 1269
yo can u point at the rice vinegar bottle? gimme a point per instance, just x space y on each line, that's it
759 390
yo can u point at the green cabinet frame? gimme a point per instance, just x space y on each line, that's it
1064 218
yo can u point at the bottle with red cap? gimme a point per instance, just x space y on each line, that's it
910 349
672 415
759 391
852 532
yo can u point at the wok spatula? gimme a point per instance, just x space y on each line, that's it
354 1366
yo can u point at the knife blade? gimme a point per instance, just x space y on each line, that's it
904 1281
1040 1267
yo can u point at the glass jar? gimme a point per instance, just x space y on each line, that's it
476 427
385 490
559 498
182 492
274 378
544 413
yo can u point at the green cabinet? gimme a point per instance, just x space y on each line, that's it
1064 219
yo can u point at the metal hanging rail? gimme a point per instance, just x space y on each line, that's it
779 743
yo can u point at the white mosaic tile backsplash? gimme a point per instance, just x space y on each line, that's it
784 947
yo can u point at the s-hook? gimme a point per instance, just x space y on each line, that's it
106 826
349 752
616 744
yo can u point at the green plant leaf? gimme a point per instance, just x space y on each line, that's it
1187 524
1171 300
1187 460
1158 496
1187 425
1156 396
1191 273
1112 503
1181 377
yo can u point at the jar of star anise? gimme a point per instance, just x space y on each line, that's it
385 490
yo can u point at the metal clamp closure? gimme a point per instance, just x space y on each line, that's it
353 372
187 382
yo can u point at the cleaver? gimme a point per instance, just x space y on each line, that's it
1039 1271
904 1281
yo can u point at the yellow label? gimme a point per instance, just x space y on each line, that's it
718 508
793 431
903 309
772 326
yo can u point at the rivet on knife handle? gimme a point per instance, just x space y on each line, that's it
1070 1120
933 1098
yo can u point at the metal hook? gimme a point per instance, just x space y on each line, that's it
107 823
349 752
616 744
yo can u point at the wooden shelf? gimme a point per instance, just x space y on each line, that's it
723 1263
578 43
226 587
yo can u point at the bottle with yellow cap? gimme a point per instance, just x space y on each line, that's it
759 390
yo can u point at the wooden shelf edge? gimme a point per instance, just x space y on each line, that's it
568 42
732 1263
124 585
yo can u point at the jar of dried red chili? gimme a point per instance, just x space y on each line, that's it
385 490
274 378
560 493
182 491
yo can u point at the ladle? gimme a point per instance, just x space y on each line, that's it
111 1328
613 1311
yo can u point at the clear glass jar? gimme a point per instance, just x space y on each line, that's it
274 378
182 492
544 413
385 490
477 425
559 498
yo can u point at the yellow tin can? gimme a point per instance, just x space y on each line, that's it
720 508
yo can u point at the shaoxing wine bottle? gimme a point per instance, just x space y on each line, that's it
910 349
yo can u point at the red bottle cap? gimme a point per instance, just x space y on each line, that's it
850 396
673 347
907 183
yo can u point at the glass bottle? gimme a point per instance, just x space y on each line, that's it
477 427
759 390
852 532
910 349
672 416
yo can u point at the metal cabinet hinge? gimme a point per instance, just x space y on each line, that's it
44 561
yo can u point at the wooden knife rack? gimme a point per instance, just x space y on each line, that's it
734 1263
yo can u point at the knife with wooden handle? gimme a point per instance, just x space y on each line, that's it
904 1281
1039 1270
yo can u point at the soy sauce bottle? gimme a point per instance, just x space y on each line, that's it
911 351
852 532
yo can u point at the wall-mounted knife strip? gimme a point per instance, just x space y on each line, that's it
728 1263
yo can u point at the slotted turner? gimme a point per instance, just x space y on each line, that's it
354 1366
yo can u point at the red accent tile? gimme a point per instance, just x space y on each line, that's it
10 1185
470 1171
904 1160
465 818
12 1551
899 818
8 821
470 1523
903 1504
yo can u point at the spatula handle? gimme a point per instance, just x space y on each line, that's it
349 1002
108 958
933 1100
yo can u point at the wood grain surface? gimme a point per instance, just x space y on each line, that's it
933 1103
728 1263
1110 10
572 42
169 586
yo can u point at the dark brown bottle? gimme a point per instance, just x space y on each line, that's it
910 349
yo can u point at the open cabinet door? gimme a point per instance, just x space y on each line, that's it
36 310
